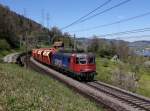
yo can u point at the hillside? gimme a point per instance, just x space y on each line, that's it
13 28
22 90
137 45
140 44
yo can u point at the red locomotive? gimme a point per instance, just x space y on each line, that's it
77 65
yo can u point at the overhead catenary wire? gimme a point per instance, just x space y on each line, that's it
124 37
134 36
127 32
104 11
116 22
147 29
76 21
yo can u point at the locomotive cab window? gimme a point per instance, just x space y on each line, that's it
77 60
91 60
81 60
69 60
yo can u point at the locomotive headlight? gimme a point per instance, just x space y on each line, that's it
81 70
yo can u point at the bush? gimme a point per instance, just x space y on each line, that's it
124 79
1 60
105 63
4 45
147 64
106 53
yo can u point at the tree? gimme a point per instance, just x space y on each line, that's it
122 50
101 47
13 26
68 37
54 33
4 45
94 45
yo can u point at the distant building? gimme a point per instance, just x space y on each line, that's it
58 45
145 53
148 49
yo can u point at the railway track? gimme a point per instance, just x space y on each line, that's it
139 102
110 96
113 97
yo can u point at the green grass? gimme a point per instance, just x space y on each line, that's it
105 67
144 86
4 52
26 90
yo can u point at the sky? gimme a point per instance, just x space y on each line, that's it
64 12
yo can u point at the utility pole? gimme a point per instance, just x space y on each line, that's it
26 42
24 12
26 50
49 40
21 36
47 18
53 38
43 17
74 42
20 41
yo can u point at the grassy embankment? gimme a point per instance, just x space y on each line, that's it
22 89
5 52
105 67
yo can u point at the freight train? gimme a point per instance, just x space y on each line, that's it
80 66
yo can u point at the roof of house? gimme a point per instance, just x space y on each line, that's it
58 44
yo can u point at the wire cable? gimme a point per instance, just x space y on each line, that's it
127 32
115 6
106 10
128 37
113 23
105 3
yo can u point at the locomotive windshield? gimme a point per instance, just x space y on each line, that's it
80 60
85 60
